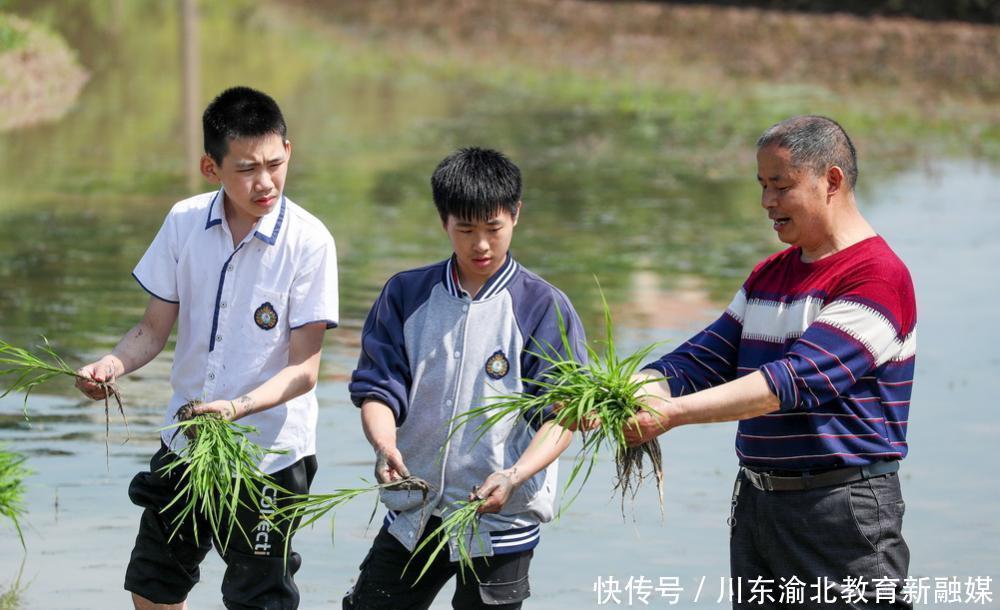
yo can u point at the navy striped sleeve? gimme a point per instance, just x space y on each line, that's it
383 371
705 360
852 335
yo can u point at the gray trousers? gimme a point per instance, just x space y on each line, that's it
819 538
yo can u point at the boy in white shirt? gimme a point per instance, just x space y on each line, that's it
251 279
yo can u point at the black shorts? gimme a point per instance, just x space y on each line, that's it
382 585
257 575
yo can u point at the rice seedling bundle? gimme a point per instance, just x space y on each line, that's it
597 398
12 474
218 474
302 510
31 370
309 508
461 523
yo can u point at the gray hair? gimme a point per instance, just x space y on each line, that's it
816 142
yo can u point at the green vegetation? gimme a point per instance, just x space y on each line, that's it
613 59
461 524
645 139
218 474
12 37
12 474
302 510
598 398
10 598
31 370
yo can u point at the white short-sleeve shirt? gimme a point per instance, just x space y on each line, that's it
237 307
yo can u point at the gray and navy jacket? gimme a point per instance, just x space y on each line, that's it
431 352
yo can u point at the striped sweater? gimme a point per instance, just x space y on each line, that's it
835 340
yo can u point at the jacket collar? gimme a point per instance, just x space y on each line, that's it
497 282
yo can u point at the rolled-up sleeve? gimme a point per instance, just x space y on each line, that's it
710 357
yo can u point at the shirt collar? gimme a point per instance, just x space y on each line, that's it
215 210
268 226
497 282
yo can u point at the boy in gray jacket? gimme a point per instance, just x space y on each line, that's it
443 339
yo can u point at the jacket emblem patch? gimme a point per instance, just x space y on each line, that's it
265 317
497 365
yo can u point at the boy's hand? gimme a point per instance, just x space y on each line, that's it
590 420
105 370
496 490
389 465
226 409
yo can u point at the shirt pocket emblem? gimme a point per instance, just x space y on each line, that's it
265 316
497 365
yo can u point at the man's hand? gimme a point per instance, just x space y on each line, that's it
496 490
389 465
652 421
645 426
92 376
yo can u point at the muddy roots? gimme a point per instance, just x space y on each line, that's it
632 474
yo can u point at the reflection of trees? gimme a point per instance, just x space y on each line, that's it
66 275
603 196
607 194
609 190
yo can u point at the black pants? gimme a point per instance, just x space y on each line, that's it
832 533
502 584
257 575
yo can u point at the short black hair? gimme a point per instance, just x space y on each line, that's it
240 112
475 184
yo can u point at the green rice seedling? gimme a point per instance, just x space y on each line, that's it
216 466
598 399
11 596
302 510
309 508
462 525
12 474
31 370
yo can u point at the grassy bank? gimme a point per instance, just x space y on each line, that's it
703 72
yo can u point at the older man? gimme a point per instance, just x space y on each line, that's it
814 357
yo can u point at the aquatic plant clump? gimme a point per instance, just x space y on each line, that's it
461 524
597 398
218 468
31 370
12 474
